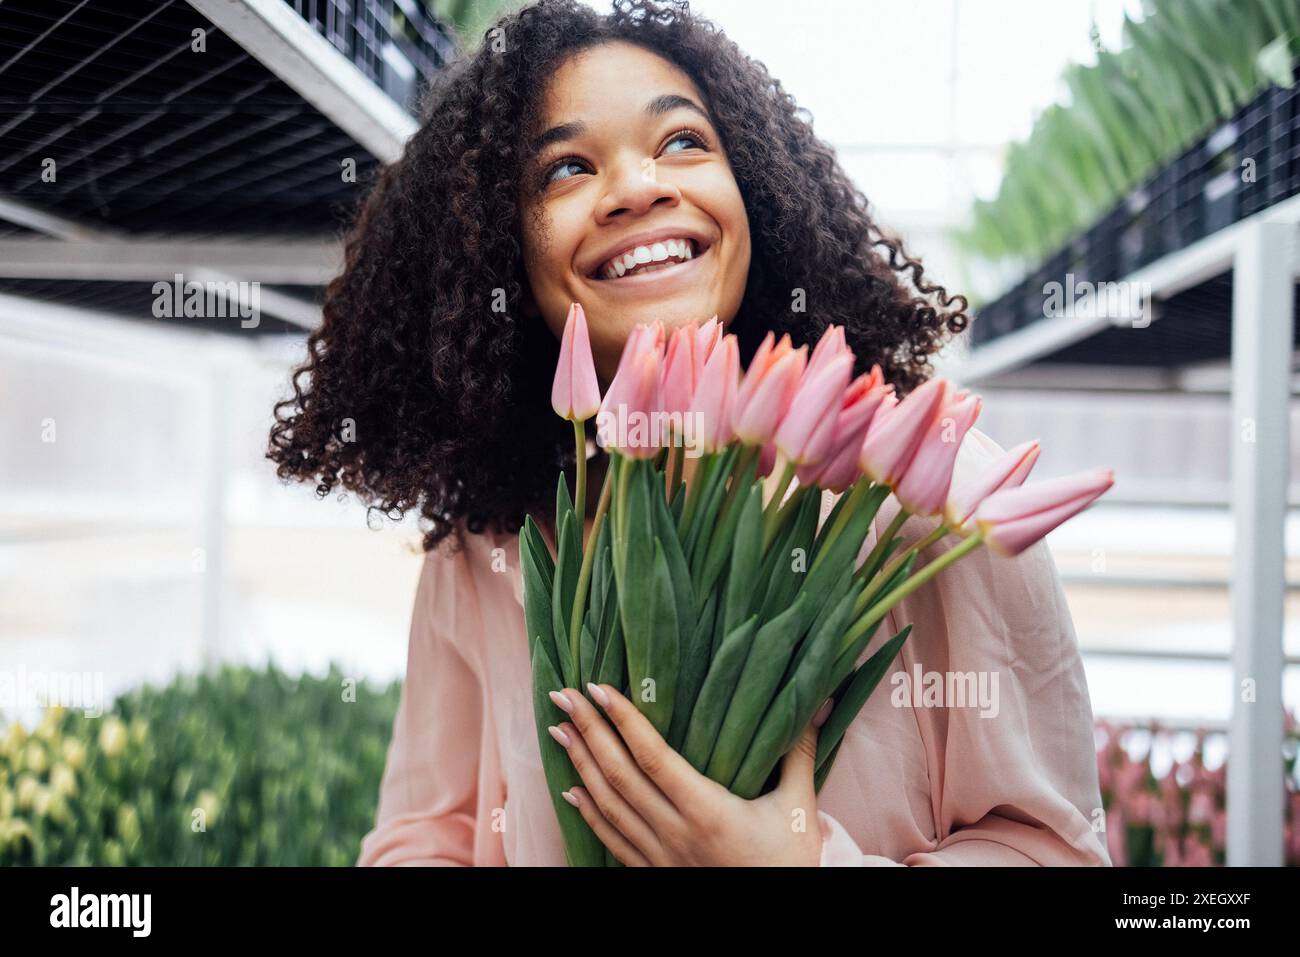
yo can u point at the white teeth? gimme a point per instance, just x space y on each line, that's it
659 252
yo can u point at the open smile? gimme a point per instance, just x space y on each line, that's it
657 267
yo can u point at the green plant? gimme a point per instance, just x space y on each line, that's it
239 767
1186 65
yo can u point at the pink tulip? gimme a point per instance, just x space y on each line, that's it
575 394
1009 470
767 390
707 337
893 438
923 489
807 428
643 387
1013 519
641 339
864 396
677 389
625 417
829 346
766 460
716 395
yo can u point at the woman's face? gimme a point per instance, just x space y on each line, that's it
630 168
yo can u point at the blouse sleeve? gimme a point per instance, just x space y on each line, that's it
1015 783
428 795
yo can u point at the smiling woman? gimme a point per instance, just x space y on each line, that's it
642 165
630 211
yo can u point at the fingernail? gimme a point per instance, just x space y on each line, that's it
823 713
598 693
559 736
569 797
562 702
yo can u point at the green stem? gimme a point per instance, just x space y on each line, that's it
774 506
886 538
674 468
738 472
856 494
772 513
693 491
882 607
584 575
783 514
894 564
580 486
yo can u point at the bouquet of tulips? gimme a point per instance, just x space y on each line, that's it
726 618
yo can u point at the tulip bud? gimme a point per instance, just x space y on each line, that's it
575 393
1013 519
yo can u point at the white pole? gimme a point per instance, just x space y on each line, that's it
1261 376
214 516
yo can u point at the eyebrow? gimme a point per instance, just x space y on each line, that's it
660 105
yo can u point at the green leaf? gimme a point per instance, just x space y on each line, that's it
746 553
797 702
715 694
562 597
1274 63
535 565
864 682
694 666
766 662
581 846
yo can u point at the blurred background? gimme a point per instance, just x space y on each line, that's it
1113 183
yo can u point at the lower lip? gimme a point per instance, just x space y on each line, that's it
657 282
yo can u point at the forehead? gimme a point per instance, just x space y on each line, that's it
609 77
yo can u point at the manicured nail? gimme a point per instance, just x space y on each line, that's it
559 736
562 702
598 693
823 713
569 797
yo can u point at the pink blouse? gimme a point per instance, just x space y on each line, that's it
977 749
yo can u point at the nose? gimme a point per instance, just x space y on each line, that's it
634 189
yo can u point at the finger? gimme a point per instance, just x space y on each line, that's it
610 836
674 776
616 763
613 807
799 765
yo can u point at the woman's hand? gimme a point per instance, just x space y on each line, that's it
651 808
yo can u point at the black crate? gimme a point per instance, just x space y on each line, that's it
1197 193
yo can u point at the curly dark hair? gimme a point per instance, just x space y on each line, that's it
420 391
